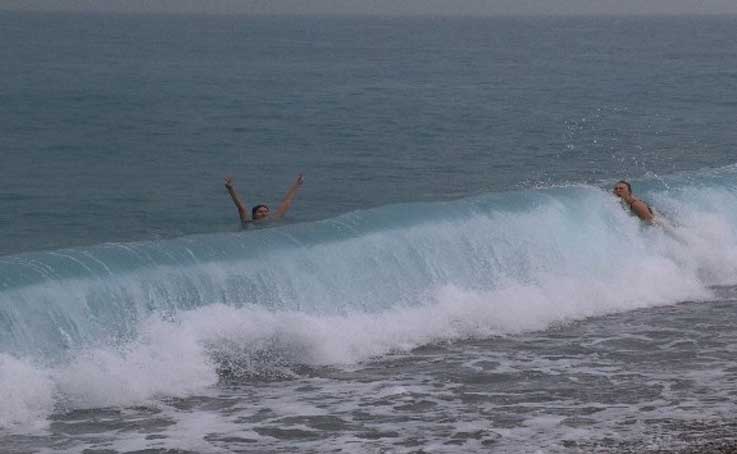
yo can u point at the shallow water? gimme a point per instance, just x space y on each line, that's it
645 379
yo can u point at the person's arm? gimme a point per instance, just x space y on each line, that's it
287 202
642 211
242 211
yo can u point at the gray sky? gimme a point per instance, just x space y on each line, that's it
384 7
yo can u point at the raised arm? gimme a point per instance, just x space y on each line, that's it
287 202
242 211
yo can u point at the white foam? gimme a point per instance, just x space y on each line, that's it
707 232
173 357
166 359
26 394
493 273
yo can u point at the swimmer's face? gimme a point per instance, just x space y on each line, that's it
261 213
621 190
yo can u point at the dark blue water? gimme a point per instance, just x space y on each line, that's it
117 128
453 277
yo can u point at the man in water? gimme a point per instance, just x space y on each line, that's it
642 210
261 212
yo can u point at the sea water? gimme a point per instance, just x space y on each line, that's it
455 275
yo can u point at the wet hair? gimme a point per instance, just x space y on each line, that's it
255 209
626 183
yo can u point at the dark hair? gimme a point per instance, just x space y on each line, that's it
626 183
255 209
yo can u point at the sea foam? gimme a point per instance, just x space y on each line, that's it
122 324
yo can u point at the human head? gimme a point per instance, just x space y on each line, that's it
260 212
623 189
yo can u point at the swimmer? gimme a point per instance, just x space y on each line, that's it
261 212
642 210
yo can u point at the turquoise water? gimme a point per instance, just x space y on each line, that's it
454 275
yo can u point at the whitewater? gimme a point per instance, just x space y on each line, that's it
144 329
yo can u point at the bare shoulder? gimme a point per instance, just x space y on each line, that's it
642 210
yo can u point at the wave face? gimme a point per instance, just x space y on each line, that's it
117 323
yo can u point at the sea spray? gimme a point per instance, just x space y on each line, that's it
60 301
26 393
119 324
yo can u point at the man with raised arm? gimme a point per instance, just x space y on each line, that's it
261 212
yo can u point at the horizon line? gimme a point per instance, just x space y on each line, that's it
5 9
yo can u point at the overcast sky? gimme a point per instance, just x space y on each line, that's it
385 7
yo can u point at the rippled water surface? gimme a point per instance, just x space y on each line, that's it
646 379
454 276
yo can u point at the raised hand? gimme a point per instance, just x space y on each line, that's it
287 202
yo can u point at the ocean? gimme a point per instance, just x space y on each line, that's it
454 276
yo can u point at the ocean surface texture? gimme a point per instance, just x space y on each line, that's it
454 277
